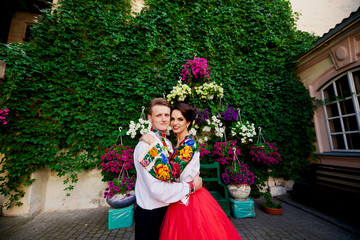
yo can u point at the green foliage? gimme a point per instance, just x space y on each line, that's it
269 201
92 64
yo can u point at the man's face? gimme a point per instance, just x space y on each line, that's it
160 117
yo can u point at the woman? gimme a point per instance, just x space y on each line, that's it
200 216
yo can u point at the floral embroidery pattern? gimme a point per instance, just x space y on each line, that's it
186 153
158 162
164 158
153 152
162 172
175 171
152 155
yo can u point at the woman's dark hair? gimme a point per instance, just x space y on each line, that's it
187 111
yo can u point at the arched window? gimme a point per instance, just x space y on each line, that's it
341 98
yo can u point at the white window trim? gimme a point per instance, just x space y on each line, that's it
356 104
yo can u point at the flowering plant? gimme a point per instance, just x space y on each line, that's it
228 114
246 131
143 126
202 115
179 92
205 153
237 175
195 70
215 123
269 201
118 170
225 152
3 113
265 152
116 159
209 90
120 185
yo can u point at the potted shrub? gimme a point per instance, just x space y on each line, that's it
270 206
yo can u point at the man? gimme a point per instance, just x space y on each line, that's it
153 195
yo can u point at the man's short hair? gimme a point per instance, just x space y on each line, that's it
158 101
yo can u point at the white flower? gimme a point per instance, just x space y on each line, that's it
178 92
206 129
245 130
192 132
208 89
143 126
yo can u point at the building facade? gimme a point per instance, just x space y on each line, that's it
331 73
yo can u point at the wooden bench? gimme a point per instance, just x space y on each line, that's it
330 186
220 193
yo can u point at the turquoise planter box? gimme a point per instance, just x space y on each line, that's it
121 217
242 209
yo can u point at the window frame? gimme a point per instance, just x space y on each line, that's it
355 101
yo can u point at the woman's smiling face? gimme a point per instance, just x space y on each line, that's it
178 122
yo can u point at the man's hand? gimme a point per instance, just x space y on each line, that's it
148 138
197 182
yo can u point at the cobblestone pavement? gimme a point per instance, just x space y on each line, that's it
295 222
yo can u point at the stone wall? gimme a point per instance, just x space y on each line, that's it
47 194
278 186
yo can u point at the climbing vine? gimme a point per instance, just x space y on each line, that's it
92 64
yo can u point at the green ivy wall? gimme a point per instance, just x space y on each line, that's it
91 66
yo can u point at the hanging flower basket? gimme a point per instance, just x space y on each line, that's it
118 170
122 200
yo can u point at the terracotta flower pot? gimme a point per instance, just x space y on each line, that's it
272 211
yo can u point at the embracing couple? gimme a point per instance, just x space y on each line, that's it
171 202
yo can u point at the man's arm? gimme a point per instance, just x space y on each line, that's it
158 190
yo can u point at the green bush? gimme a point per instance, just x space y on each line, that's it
92 64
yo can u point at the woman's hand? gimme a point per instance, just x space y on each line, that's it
197 182
148 138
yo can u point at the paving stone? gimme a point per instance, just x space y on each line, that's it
296 222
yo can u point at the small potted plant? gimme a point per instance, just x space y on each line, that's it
271 207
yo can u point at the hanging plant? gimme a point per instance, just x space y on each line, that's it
264 152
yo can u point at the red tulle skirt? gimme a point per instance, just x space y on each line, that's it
202 218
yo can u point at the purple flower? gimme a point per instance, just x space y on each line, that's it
239 175
195 69
265 153
224 152
202 115
228 114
